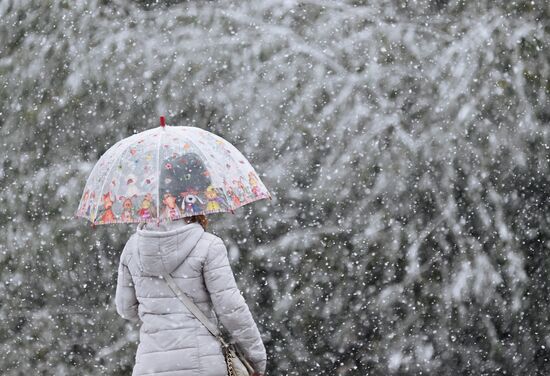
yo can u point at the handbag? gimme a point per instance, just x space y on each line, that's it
236 363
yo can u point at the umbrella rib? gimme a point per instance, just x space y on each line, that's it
237 166
159 172
206 160
183 132
199 150
116 160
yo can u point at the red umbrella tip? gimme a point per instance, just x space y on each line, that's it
162 121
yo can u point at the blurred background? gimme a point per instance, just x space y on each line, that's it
406 145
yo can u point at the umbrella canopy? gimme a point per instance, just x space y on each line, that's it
167 173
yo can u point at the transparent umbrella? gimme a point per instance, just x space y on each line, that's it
167 173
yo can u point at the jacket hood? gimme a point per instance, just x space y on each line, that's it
162 249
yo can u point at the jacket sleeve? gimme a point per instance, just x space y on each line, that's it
125 299
230 307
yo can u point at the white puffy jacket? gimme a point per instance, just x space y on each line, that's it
172 341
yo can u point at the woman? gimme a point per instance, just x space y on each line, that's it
173 342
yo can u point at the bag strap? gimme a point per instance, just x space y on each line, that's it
192 307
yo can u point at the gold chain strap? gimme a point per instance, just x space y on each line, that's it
229 362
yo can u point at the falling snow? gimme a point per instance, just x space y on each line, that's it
406 145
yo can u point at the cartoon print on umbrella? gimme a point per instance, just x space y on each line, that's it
184 177
107 215
147 208
253 182
235 198
241 190
214 199
170 209
89 205
127 208
131 189
168 173
192 203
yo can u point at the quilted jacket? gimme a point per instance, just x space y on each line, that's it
172 342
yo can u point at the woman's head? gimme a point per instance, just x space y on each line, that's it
201 219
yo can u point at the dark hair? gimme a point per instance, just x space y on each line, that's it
201 219
183 173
